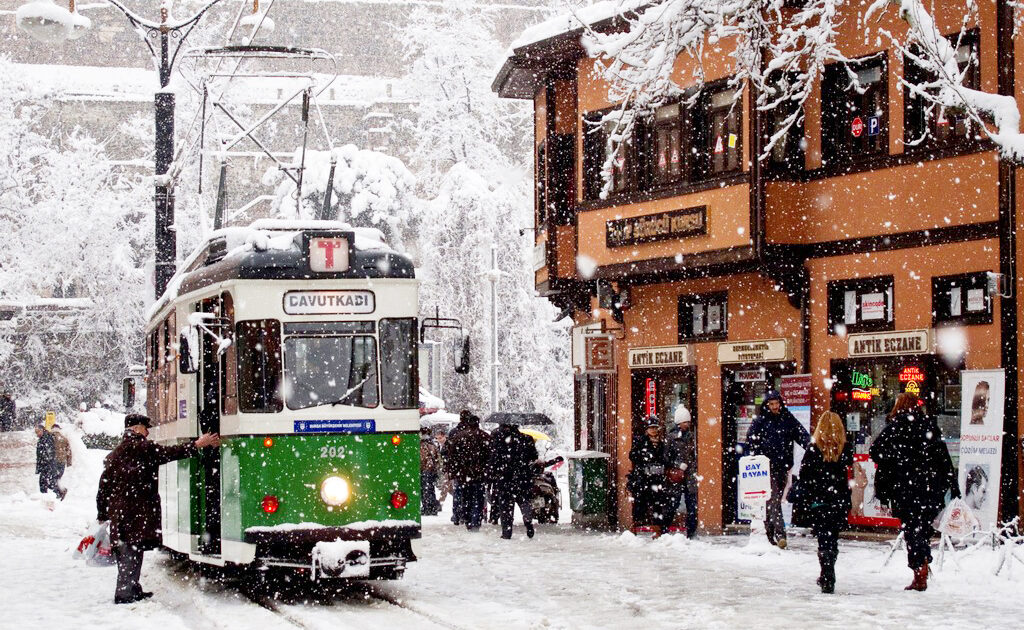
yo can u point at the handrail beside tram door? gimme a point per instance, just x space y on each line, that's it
209 396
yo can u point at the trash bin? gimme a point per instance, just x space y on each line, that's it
588 486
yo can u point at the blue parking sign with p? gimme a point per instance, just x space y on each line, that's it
874 125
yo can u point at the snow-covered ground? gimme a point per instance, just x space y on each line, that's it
563 578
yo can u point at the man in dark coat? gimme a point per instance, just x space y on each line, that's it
773 434
914 473
510 470
8 412
683 455
646 482
128 497
47 468
466 455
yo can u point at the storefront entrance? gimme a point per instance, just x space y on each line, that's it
658 392
743 390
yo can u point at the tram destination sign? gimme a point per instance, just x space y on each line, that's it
656 227
890 343
661 356
328 302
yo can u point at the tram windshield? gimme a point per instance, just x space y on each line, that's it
331 371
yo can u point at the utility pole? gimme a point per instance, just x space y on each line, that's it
493 276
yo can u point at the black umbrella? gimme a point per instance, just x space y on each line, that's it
511 417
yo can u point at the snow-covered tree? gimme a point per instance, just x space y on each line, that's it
469 158
76 243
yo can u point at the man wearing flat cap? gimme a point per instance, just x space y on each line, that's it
128 497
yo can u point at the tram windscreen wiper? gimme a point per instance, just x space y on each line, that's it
344 398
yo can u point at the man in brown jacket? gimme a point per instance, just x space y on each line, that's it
128 497
467 452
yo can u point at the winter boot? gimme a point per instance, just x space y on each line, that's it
529 529
827 581
656 529
920 582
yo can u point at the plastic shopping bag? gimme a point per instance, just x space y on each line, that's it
957 520
95 548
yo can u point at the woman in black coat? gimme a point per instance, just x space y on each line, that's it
914 473
825 491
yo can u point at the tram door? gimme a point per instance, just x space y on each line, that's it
209 422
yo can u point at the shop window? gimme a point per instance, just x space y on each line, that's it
787 154
540 201
961 299
703 317
855 110
722 124
926 125
862 305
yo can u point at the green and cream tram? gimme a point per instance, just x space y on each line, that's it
297 342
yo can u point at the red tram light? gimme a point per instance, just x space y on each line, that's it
270 504
399 499
268 442
396 439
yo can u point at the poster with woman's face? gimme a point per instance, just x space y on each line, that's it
981 442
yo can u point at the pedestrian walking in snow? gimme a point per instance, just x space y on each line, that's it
510 470
825 491
773 434
62 453
46 462
467 453
430 466
682 475
444 481
652 500
8 412
128 497
914 474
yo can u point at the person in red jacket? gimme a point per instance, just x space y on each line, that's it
128 497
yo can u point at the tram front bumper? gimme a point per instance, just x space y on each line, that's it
385 545
341 558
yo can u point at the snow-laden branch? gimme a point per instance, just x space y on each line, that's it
937 56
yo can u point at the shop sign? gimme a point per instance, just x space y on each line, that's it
656 227
662 356
755 351
890 343
981 441
651 397
578 345
599 354
755 375
540 256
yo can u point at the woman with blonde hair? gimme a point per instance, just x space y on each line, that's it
825 491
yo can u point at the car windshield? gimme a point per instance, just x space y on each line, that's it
331 371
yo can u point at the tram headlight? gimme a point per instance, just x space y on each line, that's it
334 491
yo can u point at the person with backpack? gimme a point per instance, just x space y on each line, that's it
825 491
62 453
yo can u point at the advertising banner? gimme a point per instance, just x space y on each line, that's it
754 487
796 391
866 508
981 441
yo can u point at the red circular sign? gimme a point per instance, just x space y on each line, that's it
857 127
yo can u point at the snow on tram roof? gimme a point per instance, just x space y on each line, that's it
264 235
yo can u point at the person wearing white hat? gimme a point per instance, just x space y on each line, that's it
683 454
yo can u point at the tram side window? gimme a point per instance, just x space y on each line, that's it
259 366
398 363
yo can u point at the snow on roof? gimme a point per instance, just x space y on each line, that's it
573 20
104 83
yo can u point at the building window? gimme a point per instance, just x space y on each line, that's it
855 110
671 145
787 154
927 125
722 146
540 201
962 299
596 154
703 317
862 305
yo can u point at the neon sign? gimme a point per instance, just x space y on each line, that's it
861 394
862 380
911 374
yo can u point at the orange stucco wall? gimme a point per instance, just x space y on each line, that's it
756 311
919 196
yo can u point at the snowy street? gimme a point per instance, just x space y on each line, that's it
563 578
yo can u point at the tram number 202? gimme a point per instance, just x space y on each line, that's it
332 451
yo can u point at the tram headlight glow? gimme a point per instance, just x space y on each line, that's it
334 491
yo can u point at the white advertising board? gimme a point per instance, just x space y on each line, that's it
981 441
754 486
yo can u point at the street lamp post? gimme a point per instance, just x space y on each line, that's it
49 23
